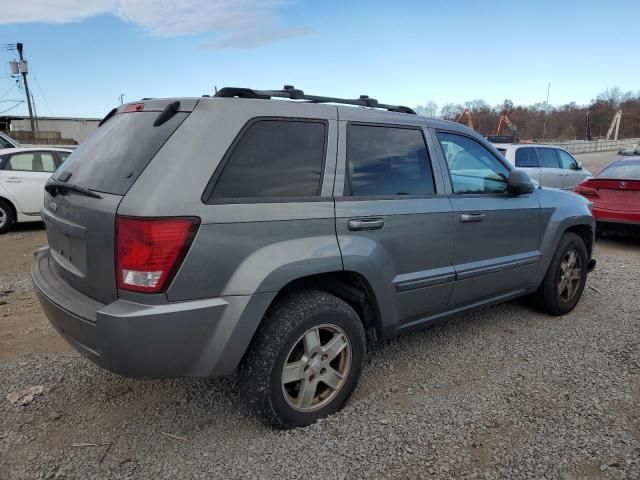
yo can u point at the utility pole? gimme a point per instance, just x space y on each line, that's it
546 107
121 98
24 69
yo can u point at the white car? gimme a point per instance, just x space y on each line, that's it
550 166
23 173
7 142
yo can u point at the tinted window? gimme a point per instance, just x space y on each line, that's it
567 160
622 170
526 157
388 161
31 162
274 158
115 154
548 158
472 166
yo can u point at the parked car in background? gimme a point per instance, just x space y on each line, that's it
23 174
198 236
615 194
7 142
550 166
632 150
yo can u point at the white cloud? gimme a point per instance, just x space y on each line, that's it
54 11
235 23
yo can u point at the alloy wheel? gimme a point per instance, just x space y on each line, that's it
316 368
569 275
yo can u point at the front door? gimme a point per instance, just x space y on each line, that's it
497 235
573 173
24 175
393 220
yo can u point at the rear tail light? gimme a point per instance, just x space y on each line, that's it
149 251
587 191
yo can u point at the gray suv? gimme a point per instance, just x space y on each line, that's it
204 236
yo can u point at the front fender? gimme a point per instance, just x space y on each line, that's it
561 210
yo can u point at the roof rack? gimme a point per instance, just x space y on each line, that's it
294 94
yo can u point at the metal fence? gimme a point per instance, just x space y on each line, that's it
584 146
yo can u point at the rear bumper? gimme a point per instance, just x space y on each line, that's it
198 338
615 216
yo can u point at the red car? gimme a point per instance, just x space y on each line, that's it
615 194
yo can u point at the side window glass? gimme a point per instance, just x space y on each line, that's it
21 162
526 157
275 158
549 158
5 143
63 156
44 161
473 168
567 160
385 161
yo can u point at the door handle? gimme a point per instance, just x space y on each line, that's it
13 180
472 217
366 224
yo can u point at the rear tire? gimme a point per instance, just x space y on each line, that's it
563 284
7 217
305 360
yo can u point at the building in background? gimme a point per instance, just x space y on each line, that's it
50 130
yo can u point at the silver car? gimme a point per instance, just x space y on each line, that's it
204 236
550 166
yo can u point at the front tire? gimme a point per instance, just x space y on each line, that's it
7 218
565 279
305 360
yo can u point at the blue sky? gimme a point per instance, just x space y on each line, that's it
85 54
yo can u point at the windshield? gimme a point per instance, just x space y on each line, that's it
111 159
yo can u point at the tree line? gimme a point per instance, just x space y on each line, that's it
541 120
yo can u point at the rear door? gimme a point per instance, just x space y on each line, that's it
526 159
393 219
81 227
497 235
573 174
24 175
551 172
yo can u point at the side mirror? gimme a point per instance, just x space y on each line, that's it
519 183
579 166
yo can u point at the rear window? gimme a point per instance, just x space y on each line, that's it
274 159
113 157
526 158
623 170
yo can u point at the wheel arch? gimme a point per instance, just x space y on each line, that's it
351 287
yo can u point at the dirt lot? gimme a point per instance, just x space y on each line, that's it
503 393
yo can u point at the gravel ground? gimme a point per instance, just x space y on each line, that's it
503 393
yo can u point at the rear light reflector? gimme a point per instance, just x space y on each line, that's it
149 251
587 191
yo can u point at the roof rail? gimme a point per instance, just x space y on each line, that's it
294 94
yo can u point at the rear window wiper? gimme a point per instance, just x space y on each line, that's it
54 187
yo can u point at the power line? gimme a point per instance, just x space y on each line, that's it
5 93
41 91
11 108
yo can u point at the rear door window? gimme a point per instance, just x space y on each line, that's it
526 157
114 155
385 161
548 158
31 162
273 158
